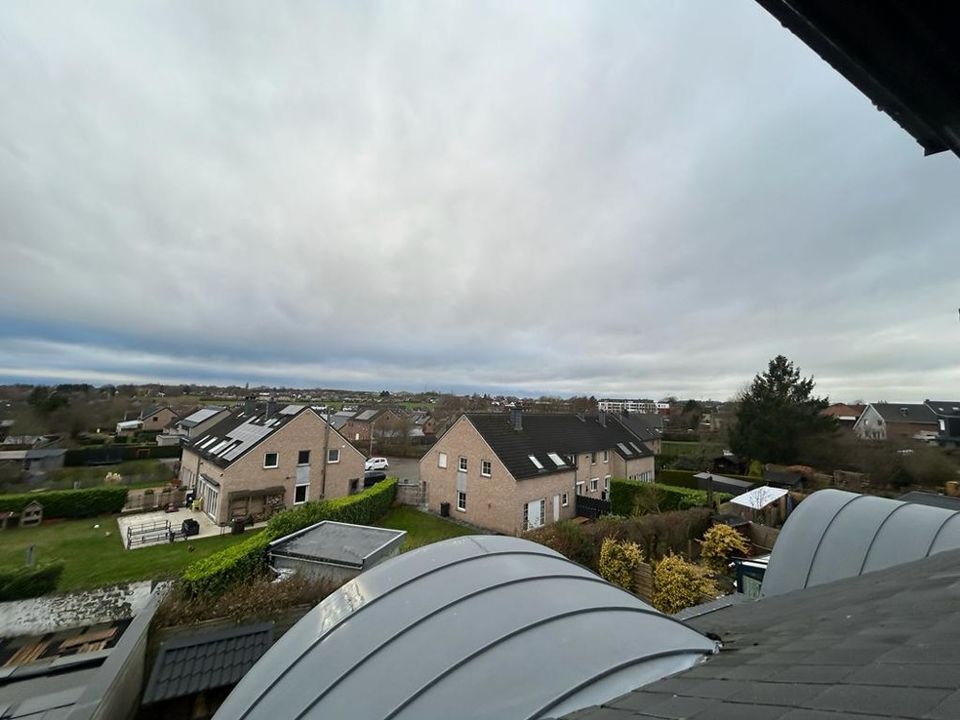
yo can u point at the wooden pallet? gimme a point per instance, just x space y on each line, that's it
88 637
27 654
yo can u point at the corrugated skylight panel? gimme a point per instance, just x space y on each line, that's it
209 442
537 463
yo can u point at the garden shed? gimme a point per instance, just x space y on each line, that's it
334 551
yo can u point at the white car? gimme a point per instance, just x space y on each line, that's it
376 463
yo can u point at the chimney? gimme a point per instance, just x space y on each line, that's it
249 405
516 418
271 408
602 419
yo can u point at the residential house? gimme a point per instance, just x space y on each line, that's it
198 422
647 427
424 426
512 473
897 421
262 457
152 418
641 406
845 415
367 425
948 419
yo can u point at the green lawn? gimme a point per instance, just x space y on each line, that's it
92 558
422 528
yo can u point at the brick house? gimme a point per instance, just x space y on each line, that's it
512 473
156 418
897 421
199 421
261 458
648 428
369 423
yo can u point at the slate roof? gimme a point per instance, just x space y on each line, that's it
905 413
240 431
564 435
195 663
947 408
640 426
782 478
878 646
932 499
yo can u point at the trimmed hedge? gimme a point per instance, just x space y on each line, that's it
623 496
214 574
28 582
69 503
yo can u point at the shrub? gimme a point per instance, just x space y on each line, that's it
569 539
69 503
680 584
627 495
29 582
214 574
619 562
719 542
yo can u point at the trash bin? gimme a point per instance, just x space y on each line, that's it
444 509
237 527
189 498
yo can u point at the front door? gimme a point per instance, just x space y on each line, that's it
556 508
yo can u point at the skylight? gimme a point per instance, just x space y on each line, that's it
557 460
634 446
533 459
625 449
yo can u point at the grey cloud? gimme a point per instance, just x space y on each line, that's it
569 197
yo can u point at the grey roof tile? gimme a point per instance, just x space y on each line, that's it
879 700
774 693
948 709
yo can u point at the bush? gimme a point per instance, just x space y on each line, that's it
680 584
569 539
29 582
214 574
69 503
625 495
619 562
719 543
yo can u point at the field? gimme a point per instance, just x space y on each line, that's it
422 528
92 558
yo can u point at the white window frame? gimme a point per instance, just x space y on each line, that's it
606 456
564 500
594 484
306 493
581 487
276 460
462 464
461 501
329 452
442 460
606 482
489 468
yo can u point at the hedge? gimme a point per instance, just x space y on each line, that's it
69 503
623 496
28 582
114 454
214 574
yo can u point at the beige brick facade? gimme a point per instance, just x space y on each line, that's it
497 502
159 420
304 432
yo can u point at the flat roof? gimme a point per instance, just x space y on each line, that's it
335 542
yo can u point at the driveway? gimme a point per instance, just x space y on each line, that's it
404 468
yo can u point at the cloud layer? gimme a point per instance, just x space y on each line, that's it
610 198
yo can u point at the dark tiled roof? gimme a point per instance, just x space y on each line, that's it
782 478
945 407
564 435
202 662
881 645
640 426
927 498
905 413
240 431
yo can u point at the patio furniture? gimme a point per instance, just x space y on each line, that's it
151 532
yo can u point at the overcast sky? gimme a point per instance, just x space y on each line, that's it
613 198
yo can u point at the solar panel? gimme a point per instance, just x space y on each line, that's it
209 442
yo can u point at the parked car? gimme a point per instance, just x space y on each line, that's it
376 463
372 477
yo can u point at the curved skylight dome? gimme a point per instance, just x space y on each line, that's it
835 534
474 627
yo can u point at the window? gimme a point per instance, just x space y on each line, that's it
593 458
461 501
300 494
333 455
463 464
303 457
271 460
536 463
593 484
442 461
533 514
564 500
557 460
486 468
606 456
580 487
606 483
